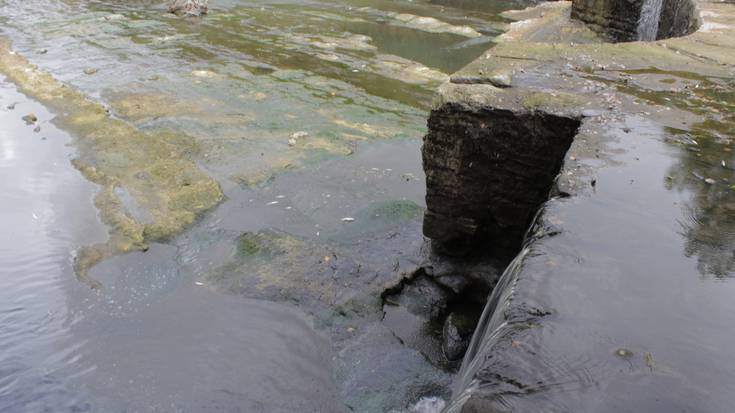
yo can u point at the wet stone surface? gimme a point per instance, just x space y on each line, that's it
619 299
258 181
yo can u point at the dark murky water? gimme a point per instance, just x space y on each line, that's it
306 113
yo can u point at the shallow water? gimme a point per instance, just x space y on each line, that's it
306 113
624 300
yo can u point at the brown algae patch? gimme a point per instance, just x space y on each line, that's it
153 170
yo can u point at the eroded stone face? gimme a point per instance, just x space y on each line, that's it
487 172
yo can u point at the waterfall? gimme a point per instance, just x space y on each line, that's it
649 20
491 322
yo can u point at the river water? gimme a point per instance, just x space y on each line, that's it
308 114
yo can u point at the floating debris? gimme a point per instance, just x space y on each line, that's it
348 219
623 353
272 203
648 357
90 71
710 181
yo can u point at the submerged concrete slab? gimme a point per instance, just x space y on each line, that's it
620 299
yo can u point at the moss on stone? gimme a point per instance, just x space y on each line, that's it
154 169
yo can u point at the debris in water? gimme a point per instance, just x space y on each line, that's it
296 136
710 181
37 129
30 119
272 203
623 353
199 283
90 71
348 219
648 357
203 73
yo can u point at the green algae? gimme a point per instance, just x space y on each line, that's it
265 244
153 168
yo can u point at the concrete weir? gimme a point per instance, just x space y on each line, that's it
589 144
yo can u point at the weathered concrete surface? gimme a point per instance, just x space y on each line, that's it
586 317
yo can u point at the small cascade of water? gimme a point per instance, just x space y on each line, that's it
649 20
490 322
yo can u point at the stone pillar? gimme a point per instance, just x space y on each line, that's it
488 170
637 20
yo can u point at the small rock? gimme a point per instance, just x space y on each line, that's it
710 181
501 80
189 7
293 140
456 334
42 51
90 71
37 129
30 119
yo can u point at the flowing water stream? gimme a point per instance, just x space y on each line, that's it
308 115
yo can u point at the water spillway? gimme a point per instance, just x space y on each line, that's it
603 307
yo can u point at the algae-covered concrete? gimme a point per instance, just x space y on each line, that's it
150 189
617 300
